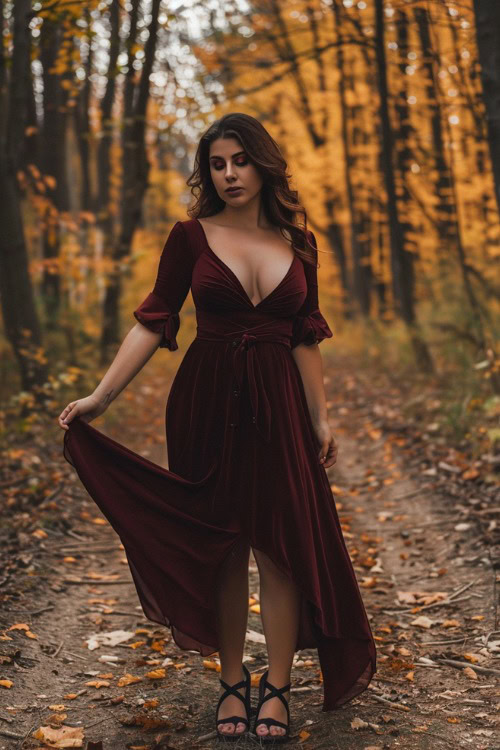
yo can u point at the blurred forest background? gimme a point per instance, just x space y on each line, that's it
388 112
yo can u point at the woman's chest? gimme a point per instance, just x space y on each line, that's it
215 287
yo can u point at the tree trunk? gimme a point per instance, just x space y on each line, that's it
82 125
52 144
103 208
21 323
401 263
488 43
361 267
447 220
135 182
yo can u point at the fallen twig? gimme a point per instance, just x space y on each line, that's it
386 702
475 667
449 640
95 581
57 650
208 736
6 733
418 608
29 612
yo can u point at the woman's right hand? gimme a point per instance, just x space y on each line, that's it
87 408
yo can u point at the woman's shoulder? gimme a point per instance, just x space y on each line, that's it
192 233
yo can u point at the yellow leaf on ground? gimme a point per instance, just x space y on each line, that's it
99 521
136 644
6 683
473 658
39 534
469 672
153 703
70 559
410 676
304 735
98 683
19 626
453 719
128 679
209 664
156 674
450 624
255 608
70 697
57 718
57 707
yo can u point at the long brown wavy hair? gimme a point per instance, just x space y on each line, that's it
280 203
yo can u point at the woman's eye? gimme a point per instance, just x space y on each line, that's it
218 167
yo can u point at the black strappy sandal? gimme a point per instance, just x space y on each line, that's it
275 693
233 690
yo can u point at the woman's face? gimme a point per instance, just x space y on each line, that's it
231 168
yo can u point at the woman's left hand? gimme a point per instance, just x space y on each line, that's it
328 447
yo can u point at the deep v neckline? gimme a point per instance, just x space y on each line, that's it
236 279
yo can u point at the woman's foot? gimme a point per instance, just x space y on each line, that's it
275 707
232 706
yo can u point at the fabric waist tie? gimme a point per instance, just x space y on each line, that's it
245 341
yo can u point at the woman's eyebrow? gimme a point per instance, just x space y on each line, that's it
232 155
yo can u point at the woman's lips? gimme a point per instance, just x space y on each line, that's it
234 190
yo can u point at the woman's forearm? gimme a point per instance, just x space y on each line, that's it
310 364
137 347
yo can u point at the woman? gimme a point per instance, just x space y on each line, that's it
248 442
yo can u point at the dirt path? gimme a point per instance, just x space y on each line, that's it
409 544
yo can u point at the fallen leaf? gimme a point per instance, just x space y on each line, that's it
6 683
57 718
61 737
469 672
98 683
209 664
39 534
357 723
156 674
128 679
422 622
108 639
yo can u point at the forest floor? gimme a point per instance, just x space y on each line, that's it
419 518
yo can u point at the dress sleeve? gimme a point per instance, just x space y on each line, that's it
309 325
160 310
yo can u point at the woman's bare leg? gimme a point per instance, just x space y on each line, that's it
232 615
279 605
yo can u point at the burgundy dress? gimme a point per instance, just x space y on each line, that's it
243 462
